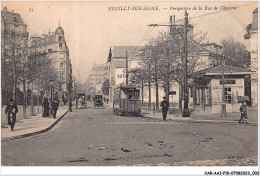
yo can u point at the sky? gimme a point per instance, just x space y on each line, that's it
91 28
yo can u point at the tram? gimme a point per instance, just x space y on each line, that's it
126 100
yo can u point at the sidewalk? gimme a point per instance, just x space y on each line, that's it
20 115
32 125
199 117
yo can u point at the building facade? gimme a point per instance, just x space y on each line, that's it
117 65
14 43
252 35
98 75
55 47
208 88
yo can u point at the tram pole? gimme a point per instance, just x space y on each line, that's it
186 112
126 68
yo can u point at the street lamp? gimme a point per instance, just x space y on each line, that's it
51 84
75 89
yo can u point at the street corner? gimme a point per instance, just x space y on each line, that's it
31 126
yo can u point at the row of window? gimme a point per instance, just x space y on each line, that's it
207 95
61 54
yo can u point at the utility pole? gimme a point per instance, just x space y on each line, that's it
126 68
4 36
172 25
186 112
223 110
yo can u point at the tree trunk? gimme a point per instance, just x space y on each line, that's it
156 88
38 103
142 91
167 88
24 99
32 108
194 96
149 88
180 97
14 78
157 95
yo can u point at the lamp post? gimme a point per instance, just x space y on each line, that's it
75 89
51 84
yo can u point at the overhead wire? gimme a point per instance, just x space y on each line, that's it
143 38
180 20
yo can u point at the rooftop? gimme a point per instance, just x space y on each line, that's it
120 51
11 17
216 70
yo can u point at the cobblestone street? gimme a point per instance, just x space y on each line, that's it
96 137
223 162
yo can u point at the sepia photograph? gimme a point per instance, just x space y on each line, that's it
152 85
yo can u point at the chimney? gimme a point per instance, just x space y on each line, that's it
5 9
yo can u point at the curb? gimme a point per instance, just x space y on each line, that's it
36 132
204 121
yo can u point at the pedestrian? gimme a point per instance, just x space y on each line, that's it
80 102
70 105
107 100
165 106
10 112
46 105
55 107
77 102
243 110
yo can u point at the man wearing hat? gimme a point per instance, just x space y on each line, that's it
55 107
165 106
10 112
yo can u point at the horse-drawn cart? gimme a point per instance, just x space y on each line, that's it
81 100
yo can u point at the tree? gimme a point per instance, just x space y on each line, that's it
105 87
39 72
235 54
138 78
14 50
166 54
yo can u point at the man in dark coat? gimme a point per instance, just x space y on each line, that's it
70 105
55 106
165 106
10 112
243 110
46 106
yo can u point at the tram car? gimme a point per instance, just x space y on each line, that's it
126 100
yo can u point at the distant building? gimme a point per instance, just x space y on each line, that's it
96 78
252 35
14 41
117 64
55 46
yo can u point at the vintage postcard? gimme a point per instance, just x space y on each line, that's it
138 83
